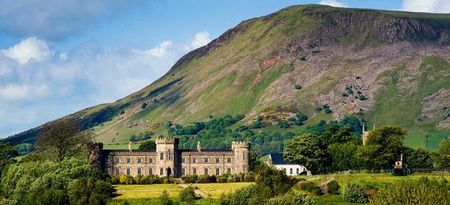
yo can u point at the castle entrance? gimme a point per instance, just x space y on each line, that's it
168 171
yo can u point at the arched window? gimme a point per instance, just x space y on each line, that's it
139 171
150 171
298 171
128 171
290 171
206 171
194 171
217 171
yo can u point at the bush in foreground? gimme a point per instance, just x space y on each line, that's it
290 198
355 193
308 186
424 192
164 198
187 194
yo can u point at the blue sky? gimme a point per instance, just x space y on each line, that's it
57 57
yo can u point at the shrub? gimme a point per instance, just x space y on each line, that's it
115 180
164 198
249 177
290 198
303 58
89 191
362 97
189 179
355 193
222 178
151 179
187 194
123 179
167 180
129 180
298 87
333 187
203 179
212 179
423 191
138 179
308 186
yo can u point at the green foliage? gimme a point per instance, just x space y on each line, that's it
290 198
48 182
189 179
141 137
444 154
355 193
24 148
187 194
308 150
203 179
89 191
333 187
344 156
303 58
298 119
424 192
164 198
362 97
418 158
148 145
7 154
383 147
298 86
308 186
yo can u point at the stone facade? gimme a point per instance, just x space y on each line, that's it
168 160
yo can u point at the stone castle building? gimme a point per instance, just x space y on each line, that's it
169 160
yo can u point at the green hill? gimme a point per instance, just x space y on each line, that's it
385 67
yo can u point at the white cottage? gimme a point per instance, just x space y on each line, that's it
277 160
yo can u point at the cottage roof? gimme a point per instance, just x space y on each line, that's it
278 159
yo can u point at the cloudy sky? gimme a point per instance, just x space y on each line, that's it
60 56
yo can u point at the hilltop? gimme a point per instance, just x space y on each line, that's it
385 67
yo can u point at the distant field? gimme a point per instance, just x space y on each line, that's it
120 146
146 191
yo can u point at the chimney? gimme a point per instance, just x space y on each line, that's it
199 146
129 146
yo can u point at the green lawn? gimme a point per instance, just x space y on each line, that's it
134 146
214 190
149 194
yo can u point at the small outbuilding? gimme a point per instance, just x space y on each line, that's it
277 160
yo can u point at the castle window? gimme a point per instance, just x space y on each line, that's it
150 160
139 171
161 156
161 171
117 160
298 171
217 160
128 171
206 160
150 171
128 160
194 171
117 171
290 171
139 160
228 160
206 171
217 171
194 160
169 155
183 171
183 160
229 170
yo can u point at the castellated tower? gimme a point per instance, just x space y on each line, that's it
241 152
167 160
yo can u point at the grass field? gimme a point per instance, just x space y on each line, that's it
149 194
120 146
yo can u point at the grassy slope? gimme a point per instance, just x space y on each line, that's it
394 107
230 80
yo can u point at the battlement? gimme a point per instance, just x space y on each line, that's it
165 140
239 144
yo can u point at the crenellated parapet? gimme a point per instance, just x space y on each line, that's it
165 140
239 144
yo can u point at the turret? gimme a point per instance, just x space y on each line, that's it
168 158
199 146
365 134
241 152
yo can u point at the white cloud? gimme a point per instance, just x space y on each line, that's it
13 92
433 6
28 49
63 56
334 3
200 39
55 19
160 50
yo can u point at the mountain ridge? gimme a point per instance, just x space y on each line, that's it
253 69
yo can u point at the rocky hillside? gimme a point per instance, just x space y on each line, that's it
385 67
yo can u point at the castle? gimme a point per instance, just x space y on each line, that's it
169 160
